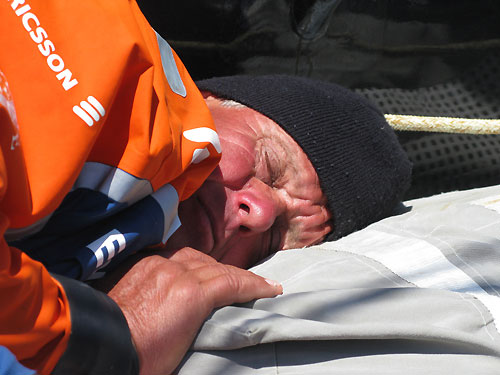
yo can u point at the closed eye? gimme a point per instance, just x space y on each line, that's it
273 170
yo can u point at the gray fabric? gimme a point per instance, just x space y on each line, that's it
417 293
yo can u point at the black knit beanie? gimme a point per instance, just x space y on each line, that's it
363 171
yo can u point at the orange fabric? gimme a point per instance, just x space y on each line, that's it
111 51
34 318
56 54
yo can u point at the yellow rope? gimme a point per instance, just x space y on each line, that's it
443 124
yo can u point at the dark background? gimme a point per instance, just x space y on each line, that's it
422 57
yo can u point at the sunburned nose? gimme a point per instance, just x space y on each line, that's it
256 211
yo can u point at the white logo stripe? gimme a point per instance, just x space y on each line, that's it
203 134
107 242
90 110
97 105
83 115
199 155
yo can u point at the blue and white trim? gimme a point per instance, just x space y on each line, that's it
113 182
168 199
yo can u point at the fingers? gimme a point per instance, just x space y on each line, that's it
227 279
228 289
222 284
225 285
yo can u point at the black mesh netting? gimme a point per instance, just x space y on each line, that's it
445 162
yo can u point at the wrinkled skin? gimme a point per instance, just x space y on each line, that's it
263 197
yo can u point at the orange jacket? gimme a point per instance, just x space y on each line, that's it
88 89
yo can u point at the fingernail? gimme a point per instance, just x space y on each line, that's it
272 282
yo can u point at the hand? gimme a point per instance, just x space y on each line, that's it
165 302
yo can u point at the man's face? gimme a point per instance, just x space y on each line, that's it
263 197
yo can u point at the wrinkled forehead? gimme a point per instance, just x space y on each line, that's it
229 114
